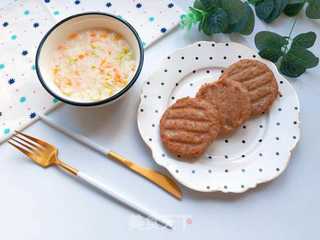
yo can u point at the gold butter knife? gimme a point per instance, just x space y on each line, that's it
163 181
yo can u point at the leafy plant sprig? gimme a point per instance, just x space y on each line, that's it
217 16
291 55
270 10
295 6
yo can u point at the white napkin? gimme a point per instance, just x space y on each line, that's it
24 23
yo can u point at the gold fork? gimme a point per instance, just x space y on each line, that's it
46 155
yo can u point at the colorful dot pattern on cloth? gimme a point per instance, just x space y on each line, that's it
24 23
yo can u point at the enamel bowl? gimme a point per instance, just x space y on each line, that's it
77 23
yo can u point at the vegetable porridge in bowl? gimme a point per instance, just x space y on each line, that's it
93 65
89 59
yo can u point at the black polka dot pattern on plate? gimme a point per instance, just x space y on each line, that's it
252 141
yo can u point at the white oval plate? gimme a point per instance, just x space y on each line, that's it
258 152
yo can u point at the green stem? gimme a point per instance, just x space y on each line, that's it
289 37
293 25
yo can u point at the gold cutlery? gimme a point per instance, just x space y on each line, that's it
157 178
46 155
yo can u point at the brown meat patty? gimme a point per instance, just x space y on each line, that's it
231 100
258 79
189 126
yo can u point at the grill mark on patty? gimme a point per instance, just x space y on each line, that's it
185 106
183 136
256 98
188 113
257 82
237 70
188 125
244 76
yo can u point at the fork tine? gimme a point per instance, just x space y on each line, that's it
23 144
26 140
29 154
33 138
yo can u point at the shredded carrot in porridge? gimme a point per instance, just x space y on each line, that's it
93 65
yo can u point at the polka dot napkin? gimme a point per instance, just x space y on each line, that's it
23 24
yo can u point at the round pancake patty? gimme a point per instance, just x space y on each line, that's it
231 100
258 79
189 126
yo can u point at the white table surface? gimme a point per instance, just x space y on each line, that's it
48 204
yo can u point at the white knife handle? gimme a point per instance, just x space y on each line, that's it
145 212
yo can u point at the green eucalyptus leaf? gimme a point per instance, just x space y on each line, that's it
246 24
293 9
313 9
304 40
266 39
234 8
264 9
206 5
302 57
216 22
202 24
279 6
271 54
291 69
